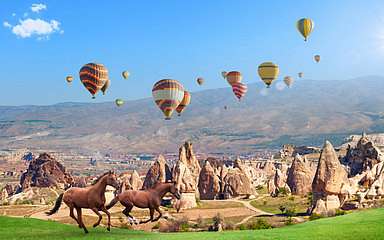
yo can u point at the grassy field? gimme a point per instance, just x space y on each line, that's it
272 204
359 225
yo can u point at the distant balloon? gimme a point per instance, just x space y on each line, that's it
268 72
93 76
233 77
225 107
224 74
301 74
200 81
69 78
168 94
184 103
305 27
119 102
317 58
239 89
288 80
106 86
125 74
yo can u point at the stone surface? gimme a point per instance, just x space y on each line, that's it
209 182
158 172
130 181
300 176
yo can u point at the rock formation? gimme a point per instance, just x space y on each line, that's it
158 172
363 156
209 182
279 183
130 181
328 182
45 171
300 176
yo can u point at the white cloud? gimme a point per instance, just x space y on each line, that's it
6 24
280 86
13 14
36 27
37 7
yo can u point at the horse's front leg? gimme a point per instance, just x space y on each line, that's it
160 214
151 212
104 209
95 210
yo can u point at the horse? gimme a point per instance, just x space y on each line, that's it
91 197
149 198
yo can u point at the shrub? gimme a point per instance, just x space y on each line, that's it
291 198
282 209
289 221
282 191
242 227
315 216
265 202
340 212
261 223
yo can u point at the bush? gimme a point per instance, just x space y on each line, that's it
315 216
261 223
282 191
289 221
340 212
242 227
291 198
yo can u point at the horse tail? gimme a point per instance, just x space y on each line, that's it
59 200
113 202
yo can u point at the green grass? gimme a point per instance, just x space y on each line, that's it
359 225
272 204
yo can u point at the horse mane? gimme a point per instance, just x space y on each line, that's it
100 177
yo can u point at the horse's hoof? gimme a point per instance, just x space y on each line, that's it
86 231
79 226
109 229
94 225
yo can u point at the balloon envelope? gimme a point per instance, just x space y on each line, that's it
93 76
119 102
300 74
317 58
69 79
125 74
305 27
200 81
224 74
168 94
268 72
233 77
106 86
239 89
288 80
184 103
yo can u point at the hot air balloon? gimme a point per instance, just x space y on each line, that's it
106 86
125 74
317 58
93 76
168 94
305 27
301 74
200 81
268 72
184 103
119 102
69 78
239 89
225 107
288 80
224 74
233 77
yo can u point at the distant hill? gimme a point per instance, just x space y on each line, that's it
307 113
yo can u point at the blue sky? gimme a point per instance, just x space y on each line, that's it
182 40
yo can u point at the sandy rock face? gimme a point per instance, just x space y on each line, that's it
158 172
130 181
209 182
300 176
45 171
329 179
363 156
278 182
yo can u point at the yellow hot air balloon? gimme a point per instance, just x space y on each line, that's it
69 78
233 77
106 86
301 74
168 94
200 81
317 58
305 27
268 72
288 80
125 74
119 102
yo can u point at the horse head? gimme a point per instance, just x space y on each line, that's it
112 180
174 190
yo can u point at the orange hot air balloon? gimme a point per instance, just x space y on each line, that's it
168 94
184 103
93 76
234 77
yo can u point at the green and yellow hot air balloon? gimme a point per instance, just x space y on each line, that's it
305 27
268 72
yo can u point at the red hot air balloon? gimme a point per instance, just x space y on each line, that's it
239 89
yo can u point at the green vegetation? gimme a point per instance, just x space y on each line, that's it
358 225
275 204
219 204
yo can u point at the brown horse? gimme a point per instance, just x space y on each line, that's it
150 198
91 197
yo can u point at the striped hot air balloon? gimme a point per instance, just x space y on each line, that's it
268 72
305 27
93 76
106 86
168 94
184 103
288 80
239 89
233 77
